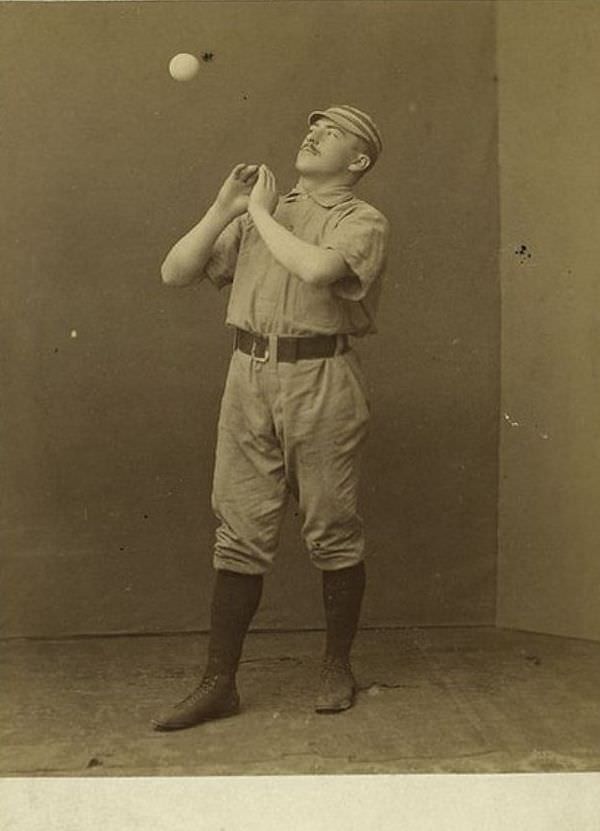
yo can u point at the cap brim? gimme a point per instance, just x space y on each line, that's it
338 120
316 114
348 127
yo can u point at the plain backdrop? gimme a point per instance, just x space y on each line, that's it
111 382
549 529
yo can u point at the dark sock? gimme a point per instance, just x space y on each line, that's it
235 600
342 597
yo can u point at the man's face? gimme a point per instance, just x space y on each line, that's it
326 150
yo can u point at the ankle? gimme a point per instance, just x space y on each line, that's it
219 672
336 659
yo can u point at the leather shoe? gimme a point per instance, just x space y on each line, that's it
337 687
215 697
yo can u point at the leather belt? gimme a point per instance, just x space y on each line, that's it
290 349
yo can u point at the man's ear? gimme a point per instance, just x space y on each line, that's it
360 164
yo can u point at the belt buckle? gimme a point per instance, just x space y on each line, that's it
256 357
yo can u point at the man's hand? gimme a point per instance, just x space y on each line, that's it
232 199
310 263
264 194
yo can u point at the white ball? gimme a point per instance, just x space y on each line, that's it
184 67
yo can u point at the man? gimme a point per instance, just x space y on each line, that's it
306 273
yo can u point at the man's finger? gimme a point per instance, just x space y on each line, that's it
237 170
249 171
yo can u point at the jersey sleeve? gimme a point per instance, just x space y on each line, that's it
220 267
361 237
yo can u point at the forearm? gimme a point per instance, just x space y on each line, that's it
312 264
186 260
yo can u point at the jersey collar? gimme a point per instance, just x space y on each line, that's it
327 197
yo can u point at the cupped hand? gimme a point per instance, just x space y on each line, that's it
235 190
264 194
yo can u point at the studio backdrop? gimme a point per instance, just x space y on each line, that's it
112 382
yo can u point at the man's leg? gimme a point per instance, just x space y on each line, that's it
249 496
323 460
235 600
343 591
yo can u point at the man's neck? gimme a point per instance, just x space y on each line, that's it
315 183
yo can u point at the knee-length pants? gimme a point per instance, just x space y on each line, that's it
289 428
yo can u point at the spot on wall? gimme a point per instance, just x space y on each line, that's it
523 253
510 420
207 57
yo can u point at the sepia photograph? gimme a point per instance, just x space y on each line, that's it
300 449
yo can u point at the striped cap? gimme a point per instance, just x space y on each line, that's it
353 121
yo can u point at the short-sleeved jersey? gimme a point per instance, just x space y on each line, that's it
267 299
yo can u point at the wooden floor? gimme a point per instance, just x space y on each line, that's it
431 700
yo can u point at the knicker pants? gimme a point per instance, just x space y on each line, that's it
289 428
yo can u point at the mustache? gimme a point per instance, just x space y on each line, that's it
307 145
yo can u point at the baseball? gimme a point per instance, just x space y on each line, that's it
184 67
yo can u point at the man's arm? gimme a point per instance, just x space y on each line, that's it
315 265
186 260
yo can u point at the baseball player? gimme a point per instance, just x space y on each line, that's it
305 272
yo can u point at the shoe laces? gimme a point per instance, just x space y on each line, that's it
206 685
335 667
